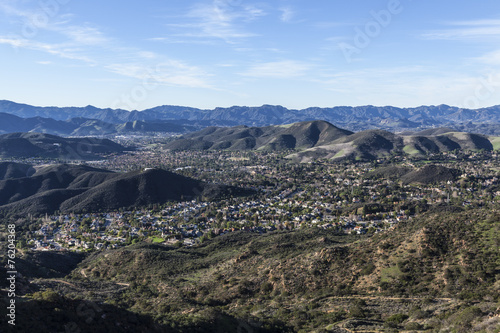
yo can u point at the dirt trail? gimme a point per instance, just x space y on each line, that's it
65 282
123 286
389 298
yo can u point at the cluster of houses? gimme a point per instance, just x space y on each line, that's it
327 196
189 222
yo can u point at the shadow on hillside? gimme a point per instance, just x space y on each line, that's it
59 314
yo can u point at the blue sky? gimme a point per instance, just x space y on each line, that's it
209 53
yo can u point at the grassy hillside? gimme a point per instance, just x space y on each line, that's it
374 144
320 139
438 271
294 136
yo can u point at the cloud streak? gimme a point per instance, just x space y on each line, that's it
278 69
85 35
88 44
466 31
169 72
67 51
491 58
407 86
223 20
287 14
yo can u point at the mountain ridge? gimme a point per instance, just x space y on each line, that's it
79 126
352 118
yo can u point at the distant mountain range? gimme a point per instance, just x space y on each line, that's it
87 127
320 139
484 121
25 189
27 145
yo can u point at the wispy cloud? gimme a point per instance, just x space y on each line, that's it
287 14
330 25
220 19
66 51
181 39
56 26
347 81
410 85
31 21
466 30
476 22
84 35
9 9
278 69
169 72
14 42
491 58
148 55
89 44
336 39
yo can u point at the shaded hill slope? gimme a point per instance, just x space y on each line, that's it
47 188
10 170
430 174
26 145
69 188
141 188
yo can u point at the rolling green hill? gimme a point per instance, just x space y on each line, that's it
373 144
320 139
294 136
